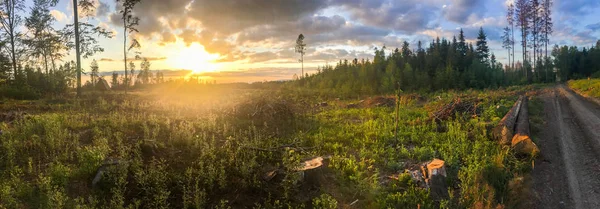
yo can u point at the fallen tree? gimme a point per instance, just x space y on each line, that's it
521 142
504 131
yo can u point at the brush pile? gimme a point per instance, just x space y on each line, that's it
380 102
273 113
457 107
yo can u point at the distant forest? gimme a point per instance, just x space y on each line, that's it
446 65
455 64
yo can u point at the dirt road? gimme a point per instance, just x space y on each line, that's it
568 172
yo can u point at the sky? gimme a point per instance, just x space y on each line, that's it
253 40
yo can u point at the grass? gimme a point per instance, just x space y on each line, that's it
586 87
211 150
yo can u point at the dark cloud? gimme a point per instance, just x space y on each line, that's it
103 9
459 11
150 11
407 16
593 27
321 30
230 16
167 37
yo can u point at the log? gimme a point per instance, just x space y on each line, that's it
504 131
522 125
521 142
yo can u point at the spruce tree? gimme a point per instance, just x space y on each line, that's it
483 51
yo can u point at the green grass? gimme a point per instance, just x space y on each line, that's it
586 87
198 151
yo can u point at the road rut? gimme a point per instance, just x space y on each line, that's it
568 174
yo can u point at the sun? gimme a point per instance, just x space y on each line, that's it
193 57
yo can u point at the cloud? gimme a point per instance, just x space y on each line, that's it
566 34
460 11
59 16
102 9
593 27
230 16
407 16
262 56
258 74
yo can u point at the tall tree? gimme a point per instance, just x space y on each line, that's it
129 26
507 42
536 27
546 24
84 35
77 52
523 16
510 18
483 51
43 40
301 49
10 20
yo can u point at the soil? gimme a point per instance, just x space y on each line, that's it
567 175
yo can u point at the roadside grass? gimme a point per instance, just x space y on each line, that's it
586 87
212 151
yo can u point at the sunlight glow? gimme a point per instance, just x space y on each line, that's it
193 57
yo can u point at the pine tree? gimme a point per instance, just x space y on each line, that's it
546 24
523 16
84 35
129 26
483 51
507 42
510 17
145 73
115 80
301 49
43 41
94 68
536 27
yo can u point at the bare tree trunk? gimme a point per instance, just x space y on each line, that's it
125 53
77 53
509 57
14 56
512 30
46 62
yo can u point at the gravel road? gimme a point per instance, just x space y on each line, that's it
567 175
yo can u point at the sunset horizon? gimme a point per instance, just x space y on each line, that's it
183 34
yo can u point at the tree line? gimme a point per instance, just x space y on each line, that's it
32 60
444 64
456 64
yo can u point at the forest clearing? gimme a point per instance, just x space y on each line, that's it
206 151
456 104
